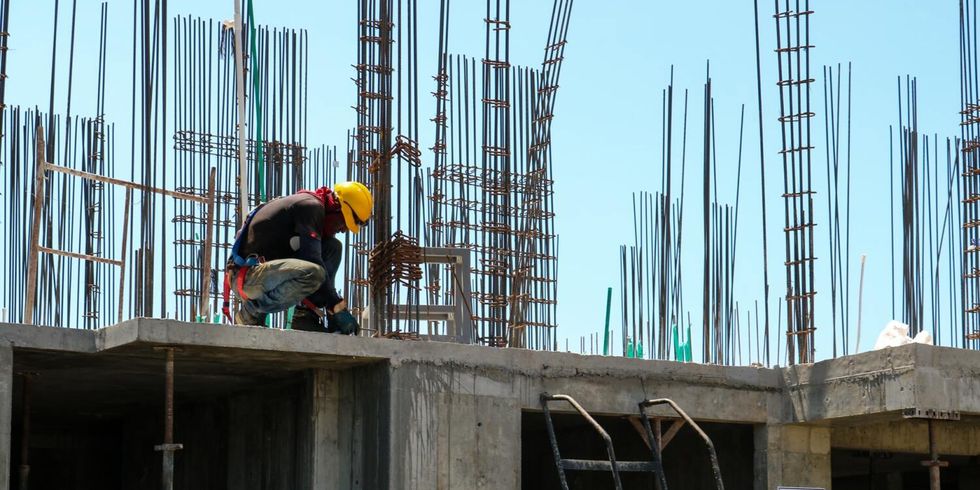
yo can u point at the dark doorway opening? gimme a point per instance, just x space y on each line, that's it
876 470
686 461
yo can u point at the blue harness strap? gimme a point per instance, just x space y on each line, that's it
239 237
243 263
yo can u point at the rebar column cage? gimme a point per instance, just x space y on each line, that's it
458 317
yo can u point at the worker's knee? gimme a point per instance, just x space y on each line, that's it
305 279
312 277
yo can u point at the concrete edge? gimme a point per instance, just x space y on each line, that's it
532 363
48 338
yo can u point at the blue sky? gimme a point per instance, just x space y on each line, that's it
607 130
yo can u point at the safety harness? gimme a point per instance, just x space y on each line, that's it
242 264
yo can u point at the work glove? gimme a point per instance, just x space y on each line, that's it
341 321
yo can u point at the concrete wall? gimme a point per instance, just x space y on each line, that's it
6 400
351 429
454 428
457 425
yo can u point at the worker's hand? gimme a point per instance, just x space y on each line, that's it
342 322
341 306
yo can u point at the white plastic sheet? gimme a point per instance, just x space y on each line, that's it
896 333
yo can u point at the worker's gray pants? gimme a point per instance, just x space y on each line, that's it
275 286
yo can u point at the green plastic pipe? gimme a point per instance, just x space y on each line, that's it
259 153
687 345
605 331
256 97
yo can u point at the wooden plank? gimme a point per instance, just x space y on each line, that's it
35 229
664 439
671 432
203 309
635 422
125 183
122 266
90 258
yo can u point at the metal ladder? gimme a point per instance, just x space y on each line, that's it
712 456
654 466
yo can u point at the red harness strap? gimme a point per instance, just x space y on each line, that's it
239 288
240 283
312 307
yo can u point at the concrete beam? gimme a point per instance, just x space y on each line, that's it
910 436
947 379
883 384
868 383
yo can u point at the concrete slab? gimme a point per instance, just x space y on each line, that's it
439 415
881 382
880 385
215 352
48 338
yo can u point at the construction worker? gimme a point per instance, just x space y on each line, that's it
286 255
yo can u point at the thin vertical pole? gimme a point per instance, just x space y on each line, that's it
857 344
122 266
242 123
168 447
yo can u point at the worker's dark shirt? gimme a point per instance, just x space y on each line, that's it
301 227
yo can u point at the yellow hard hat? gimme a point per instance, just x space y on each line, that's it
356 204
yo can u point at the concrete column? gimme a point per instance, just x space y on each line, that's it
762 457
454 428
6 401
326 459
345 430
792 455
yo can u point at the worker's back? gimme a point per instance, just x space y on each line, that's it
275 230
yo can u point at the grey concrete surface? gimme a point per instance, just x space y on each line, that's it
881 384
793 456
6 400
910 436
396 414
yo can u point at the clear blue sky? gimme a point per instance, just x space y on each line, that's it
607 130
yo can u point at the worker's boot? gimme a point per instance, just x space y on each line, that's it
246 317
306 320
